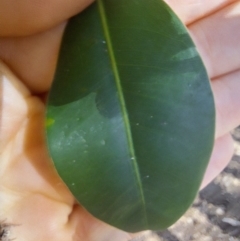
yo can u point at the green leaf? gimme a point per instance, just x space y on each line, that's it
130 116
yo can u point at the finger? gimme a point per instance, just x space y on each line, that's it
27 17
191 10
226 90
217 38
222 153
33 58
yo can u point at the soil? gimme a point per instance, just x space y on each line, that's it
215 214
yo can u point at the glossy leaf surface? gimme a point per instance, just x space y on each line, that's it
130 117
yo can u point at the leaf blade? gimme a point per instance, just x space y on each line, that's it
163 86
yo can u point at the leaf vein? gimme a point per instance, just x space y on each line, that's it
122 102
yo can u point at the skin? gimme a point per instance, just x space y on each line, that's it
32 196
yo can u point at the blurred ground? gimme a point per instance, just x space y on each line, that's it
215 214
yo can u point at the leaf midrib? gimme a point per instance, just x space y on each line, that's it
122 103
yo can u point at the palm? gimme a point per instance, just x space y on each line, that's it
32 195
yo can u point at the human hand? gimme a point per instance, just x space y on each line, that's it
32 196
